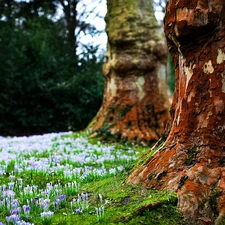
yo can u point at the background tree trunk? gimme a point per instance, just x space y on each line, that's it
191 162
70 11
135 104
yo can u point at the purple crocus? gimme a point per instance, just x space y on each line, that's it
26 209
13 218
15 203
79 211
62 197
15 211
9 194
44 203
59 199
84 196
47 214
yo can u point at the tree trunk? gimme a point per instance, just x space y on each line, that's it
191 162
135 104
70 11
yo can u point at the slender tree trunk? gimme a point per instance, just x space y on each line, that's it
135 104
70 10
192 160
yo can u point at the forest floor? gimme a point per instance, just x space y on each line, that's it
66 178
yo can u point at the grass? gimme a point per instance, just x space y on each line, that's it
69 179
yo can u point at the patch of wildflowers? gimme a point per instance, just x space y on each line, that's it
8 194
15 203
23 223
14 218
44 204
80 204
69 159
100 212
47 217
11 185
15 211
47 214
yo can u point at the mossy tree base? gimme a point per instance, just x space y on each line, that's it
126 117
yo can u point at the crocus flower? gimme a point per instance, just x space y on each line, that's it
44 203
23 223
47 214
84 197
79 211
15 203
13 218
9 194
26 209
62 197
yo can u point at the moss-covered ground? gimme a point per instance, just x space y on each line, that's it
110 199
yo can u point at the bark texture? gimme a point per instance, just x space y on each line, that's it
135 104
192 160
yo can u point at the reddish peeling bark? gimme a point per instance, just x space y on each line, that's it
192 160
135 104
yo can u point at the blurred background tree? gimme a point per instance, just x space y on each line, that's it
46 84
135 104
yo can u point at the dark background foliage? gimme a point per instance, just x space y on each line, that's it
44 86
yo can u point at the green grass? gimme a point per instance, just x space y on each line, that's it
123 203
134 205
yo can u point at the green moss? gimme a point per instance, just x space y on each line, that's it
150 176
123 111
104 132
144 158
130 19
222 221
182 181
149 107
113 109
191 155
213 200
129 204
